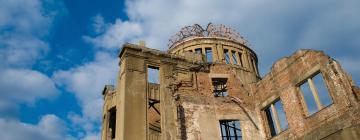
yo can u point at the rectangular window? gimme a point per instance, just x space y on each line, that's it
230 130
276 118
190 50
240 58
153 97
112 122
220 88
198 51
153 75
315 94
227 57
233 54
209 57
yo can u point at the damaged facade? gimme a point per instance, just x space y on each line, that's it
207 87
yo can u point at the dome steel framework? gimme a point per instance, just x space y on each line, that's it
211 31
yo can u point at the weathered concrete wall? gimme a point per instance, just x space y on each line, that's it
132 100
109 102
203 114
283 82
189 109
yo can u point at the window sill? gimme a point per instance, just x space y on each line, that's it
318 112
284 132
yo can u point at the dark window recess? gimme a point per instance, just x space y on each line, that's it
240 56
198 51
271 124
112 122
230 130
220 88
227 57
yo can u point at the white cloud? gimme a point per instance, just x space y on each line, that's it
23 26
87 82
114 34
23 16
21 51
50 127
25 86
99 25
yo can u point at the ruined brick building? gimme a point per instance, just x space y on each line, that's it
207 86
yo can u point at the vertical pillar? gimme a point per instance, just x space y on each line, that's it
132 100
315 93
230 56
215 53
246 60
238 58
276 118
168 111
221 53
203 53
104 125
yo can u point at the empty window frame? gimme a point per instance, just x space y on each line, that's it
230 130
153 97
276 118
112 122
315 94
240 58
220 88
198 51
227 57
209 55
153 74
234 58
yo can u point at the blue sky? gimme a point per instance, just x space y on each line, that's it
56 55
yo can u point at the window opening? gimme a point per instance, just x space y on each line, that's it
112 122
276 118
254 65
233 54
209 57
227 57
153 75
198 51
153 97
220 88
315 94
240 58
230 130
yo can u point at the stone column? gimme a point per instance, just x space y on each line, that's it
132 100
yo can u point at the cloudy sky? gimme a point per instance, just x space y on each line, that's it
57 55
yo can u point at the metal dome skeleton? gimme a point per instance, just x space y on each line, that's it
211 31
